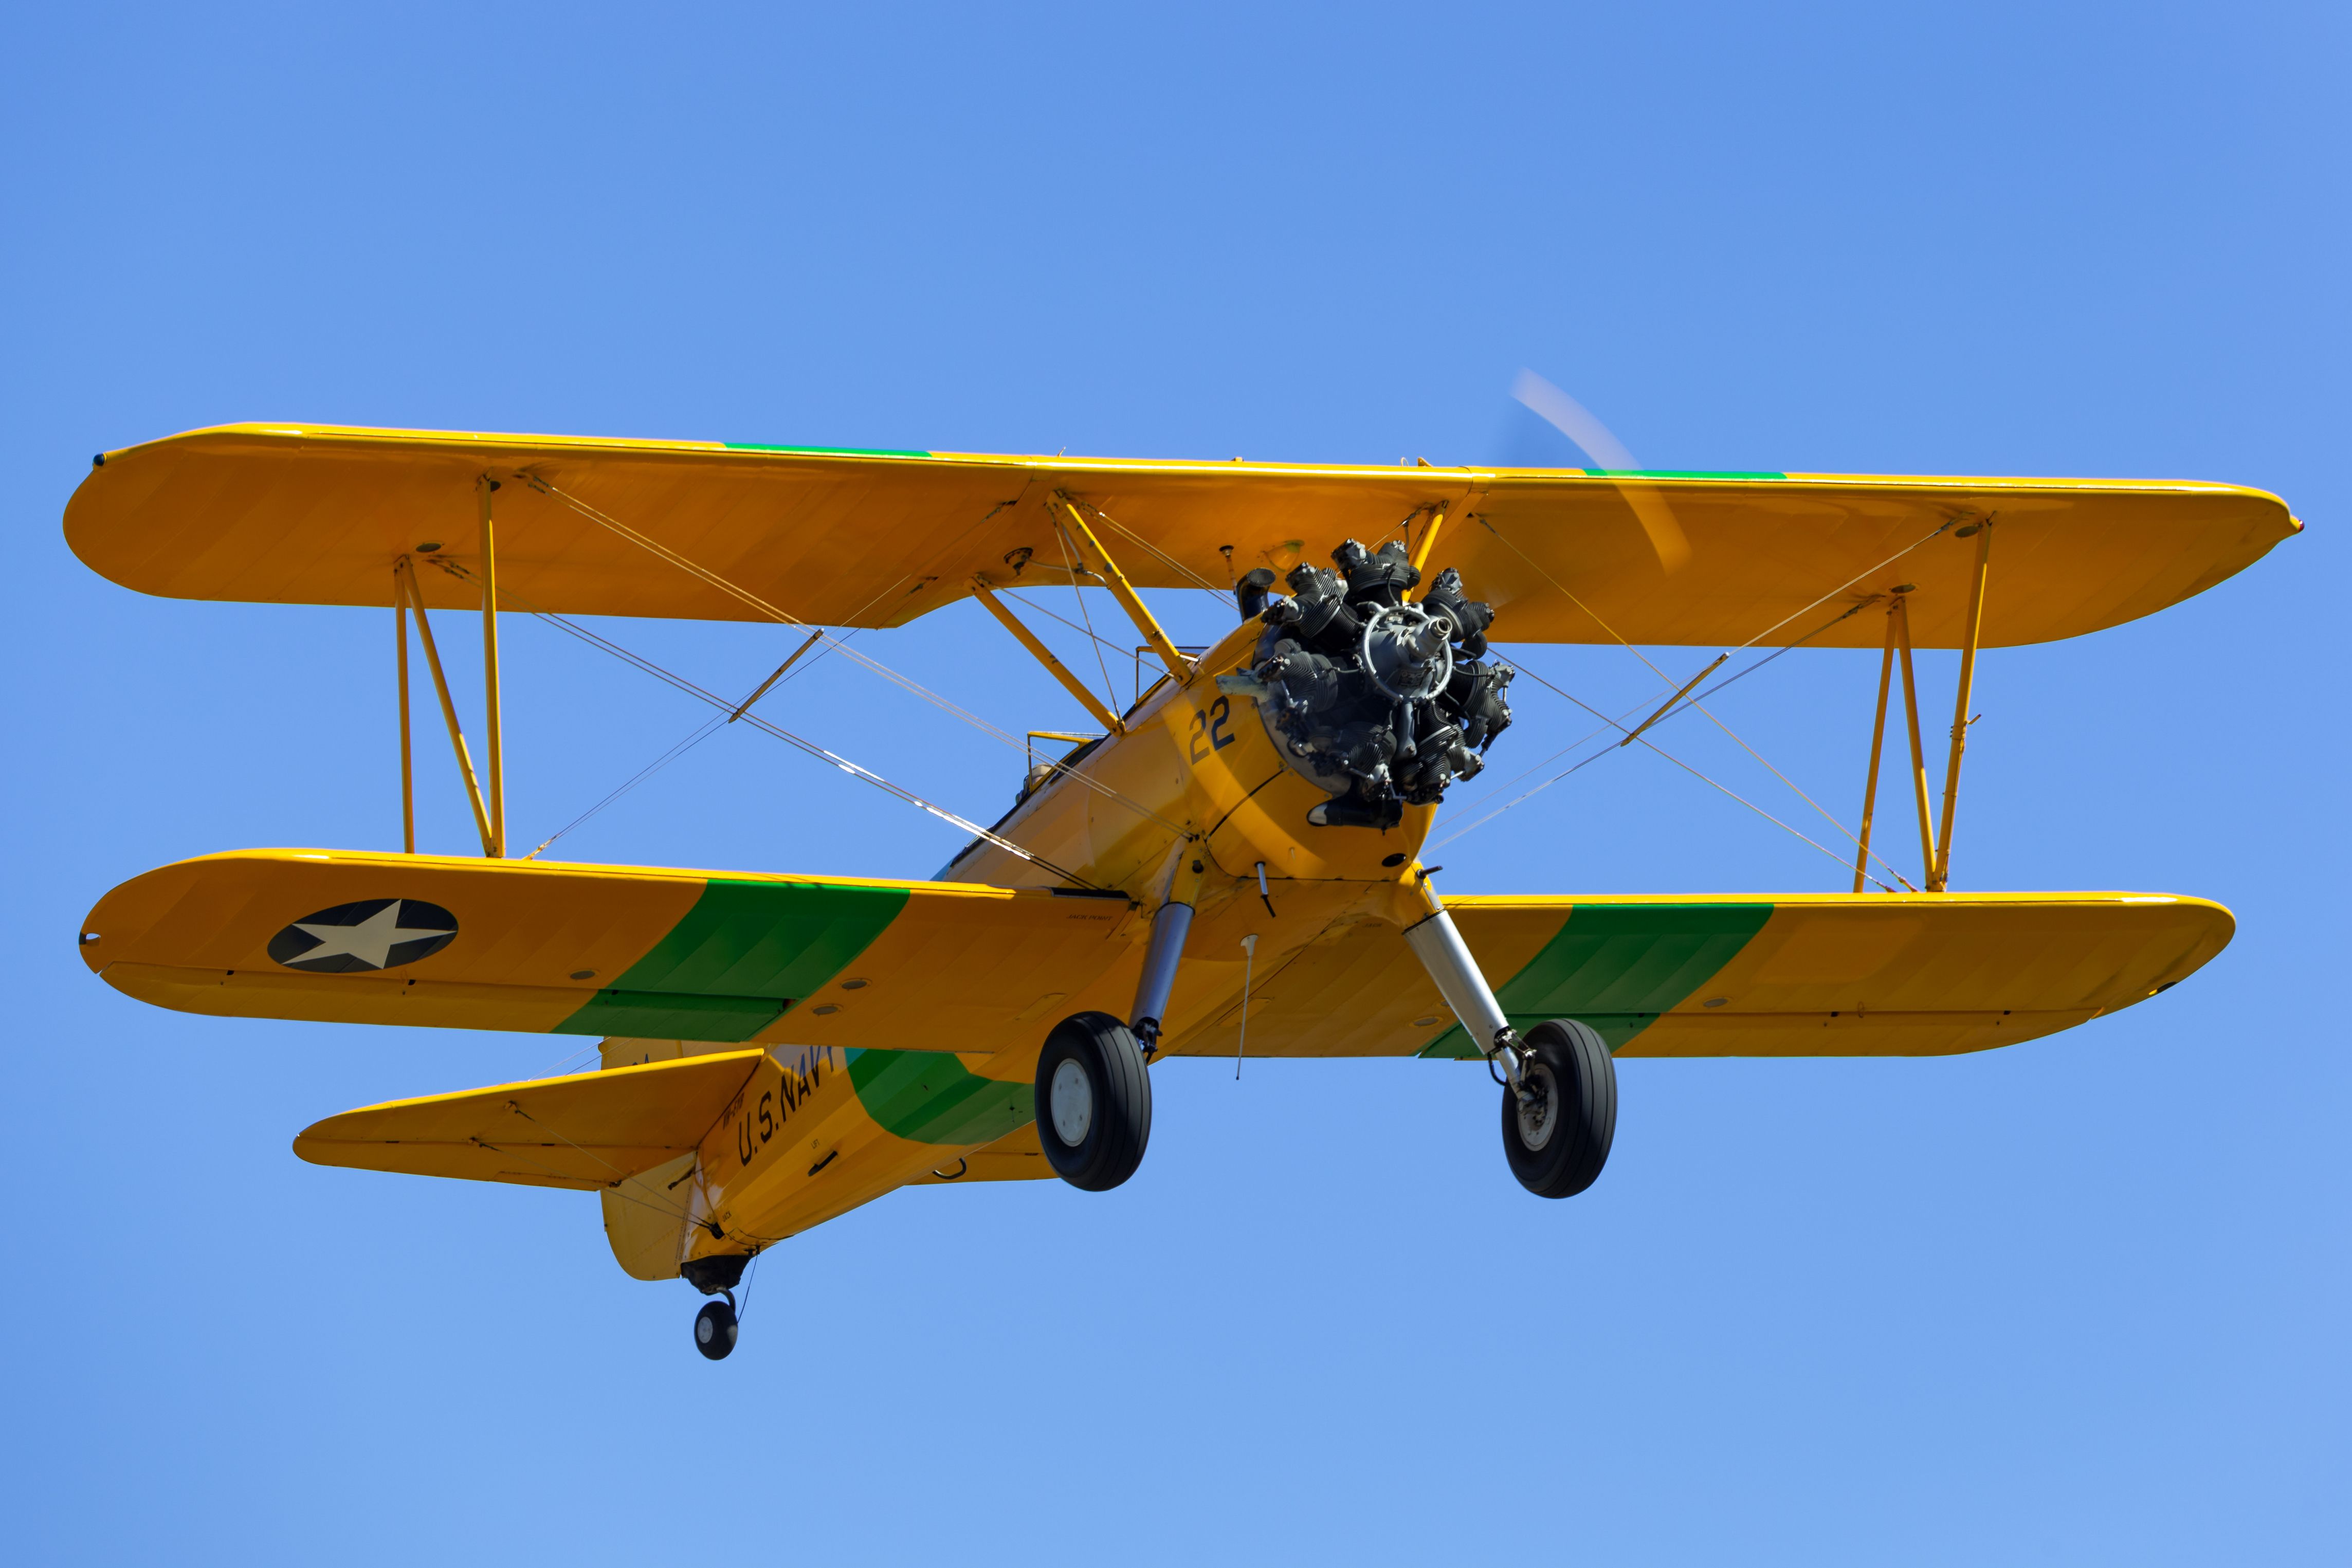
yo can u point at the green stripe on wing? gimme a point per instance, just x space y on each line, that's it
1618 966
931 1097
744 953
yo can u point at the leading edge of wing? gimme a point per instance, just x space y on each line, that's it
316 514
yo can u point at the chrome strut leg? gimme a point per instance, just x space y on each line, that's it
1439 946
1169 928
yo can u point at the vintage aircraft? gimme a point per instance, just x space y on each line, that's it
1232 864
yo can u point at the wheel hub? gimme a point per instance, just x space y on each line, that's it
1539 1108
1072 1100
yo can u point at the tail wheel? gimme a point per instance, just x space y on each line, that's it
1558 1138
1094 1101
714 1329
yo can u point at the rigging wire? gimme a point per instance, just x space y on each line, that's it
1653 746
1220 594
700 734
744 595
1078 593
789 738
832 643
1498 791
1102 642
1698 701
1767 764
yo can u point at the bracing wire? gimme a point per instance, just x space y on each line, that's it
1697 702
802 742
1030 604
1645 740
701 733
1078 592
832 643
744 595
695 737
1500 790
1200 581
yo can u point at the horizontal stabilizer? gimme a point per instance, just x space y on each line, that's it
590 1130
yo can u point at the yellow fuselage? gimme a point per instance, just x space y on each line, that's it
1190 803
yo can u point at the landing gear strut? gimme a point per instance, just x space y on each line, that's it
714 1326
1094 1101
1559 1082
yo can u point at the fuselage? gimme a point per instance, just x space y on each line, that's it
1191 802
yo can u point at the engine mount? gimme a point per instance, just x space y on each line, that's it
1381 701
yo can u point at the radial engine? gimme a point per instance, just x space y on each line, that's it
1380 701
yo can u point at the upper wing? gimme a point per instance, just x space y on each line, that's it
606 949
318 515
1806 974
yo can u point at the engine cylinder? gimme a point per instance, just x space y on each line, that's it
1382 702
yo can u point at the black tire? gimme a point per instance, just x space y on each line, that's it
714 1329
1106 1102
1558 1149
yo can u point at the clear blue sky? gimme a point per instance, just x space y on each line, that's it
2080 1301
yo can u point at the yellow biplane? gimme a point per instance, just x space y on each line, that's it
1230 865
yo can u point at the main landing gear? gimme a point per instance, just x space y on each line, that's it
1094 1101
1559 1119
1559 1082
1094 1088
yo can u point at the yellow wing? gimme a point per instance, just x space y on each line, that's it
1819 974
453 943
942 966
315 514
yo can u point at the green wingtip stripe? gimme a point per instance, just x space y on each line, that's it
742 954
825 451
1618 966
1684 474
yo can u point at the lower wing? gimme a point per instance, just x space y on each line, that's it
727 958
942 967
1801 974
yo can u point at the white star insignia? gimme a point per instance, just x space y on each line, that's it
370 942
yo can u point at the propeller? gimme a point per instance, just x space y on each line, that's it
1574 420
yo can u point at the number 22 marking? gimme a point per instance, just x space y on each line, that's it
1213 729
